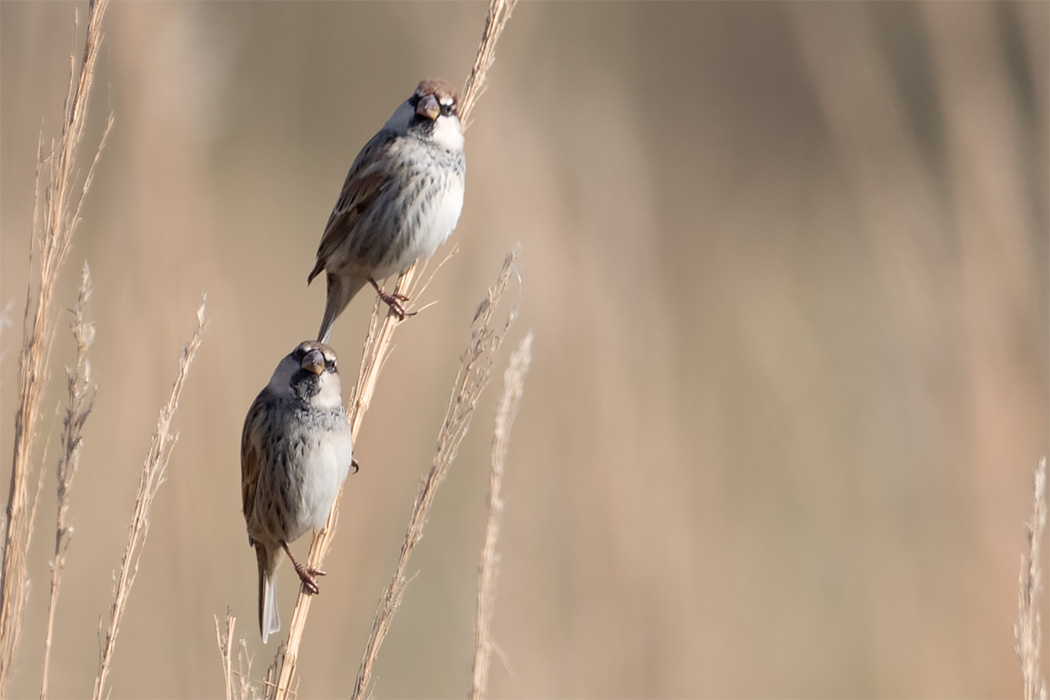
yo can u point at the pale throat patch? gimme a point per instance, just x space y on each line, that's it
448 134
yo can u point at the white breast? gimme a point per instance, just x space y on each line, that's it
326 468
443 218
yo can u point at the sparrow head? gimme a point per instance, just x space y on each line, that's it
311 357
434 98
431 114
309 373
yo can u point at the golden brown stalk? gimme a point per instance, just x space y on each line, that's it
376 348
81 400
223 637
495 21
237 681
153 472
1027 639
50 246
506 410
474 372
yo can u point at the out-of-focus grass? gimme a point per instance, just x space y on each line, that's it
787 271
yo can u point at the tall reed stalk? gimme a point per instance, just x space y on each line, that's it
51 241
280 677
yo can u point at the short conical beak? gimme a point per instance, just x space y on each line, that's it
428 107
313 361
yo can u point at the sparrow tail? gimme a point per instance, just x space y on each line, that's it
341 289
269 621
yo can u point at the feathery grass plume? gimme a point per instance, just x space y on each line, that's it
474 372
488 569
154 470
376 349
223 637
1027 636
81 400
477 81
238 682
51 242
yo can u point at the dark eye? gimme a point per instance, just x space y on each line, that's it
329 365
448 110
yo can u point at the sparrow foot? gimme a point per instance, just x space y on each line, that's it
306 574
394 301
308 577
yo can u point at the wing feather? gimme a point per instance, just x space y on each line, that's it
364 183
250 458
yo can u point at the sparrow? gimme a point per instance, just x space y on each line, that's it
295 454
401 199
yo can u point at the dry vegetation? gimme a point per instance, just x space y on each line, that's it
1028 629
488 569
62 207
63 200
153 473
467 389
54 240
81 398
800 337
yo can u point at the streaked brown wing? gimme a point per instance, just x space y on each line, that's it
250 458
365 181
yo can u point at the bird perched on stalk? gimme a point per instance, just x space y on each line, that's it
400 201
295 454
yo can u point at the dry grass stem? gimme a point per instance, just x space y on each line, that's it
1027 639
223 637
376 349
488 570
273 674
453 252
237 681
495 21
50 247
153 472
81 400
474 372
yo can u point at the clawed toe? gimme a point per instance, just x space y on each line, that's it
396 307
307 577
395 301
307 574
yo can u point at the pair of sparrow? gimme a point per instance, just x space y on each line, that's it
401 200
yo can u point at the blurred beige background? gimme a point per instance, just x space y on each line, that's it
786 265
